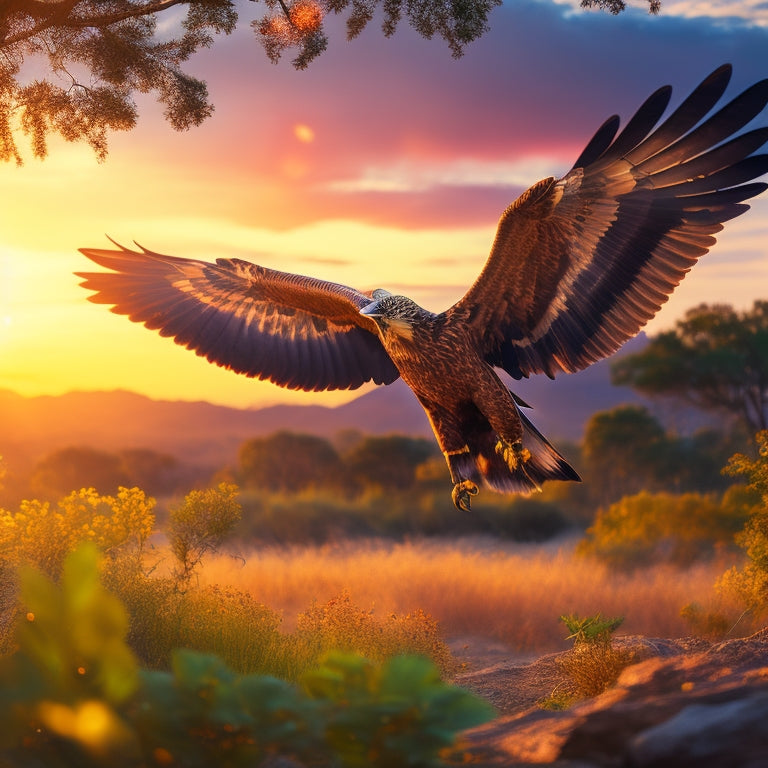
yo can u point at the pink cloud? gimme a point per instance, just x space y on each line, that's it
537 85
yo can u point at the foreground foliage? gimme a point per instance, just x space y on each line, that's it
750 583
79 697
173 611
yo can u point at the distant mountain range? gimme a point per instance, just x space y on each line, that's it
204 434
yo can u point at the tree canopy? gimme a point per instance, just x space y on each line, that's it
73 66
715 358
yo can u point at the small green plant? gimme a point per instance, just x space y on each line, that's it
591 630
593 664
73 696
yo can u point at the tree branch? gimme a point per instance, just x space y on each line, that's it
59 18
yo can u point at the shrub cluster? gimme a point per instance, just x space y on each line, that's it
173 611
42 533
750 582
79 698
649 528
321 517
646 528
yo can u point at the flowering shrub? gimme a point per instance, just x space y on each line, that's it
42 534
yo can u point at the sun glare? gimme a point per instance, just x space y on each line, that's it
303 133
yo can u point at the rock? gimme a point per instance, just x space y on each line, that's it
730 734
691 703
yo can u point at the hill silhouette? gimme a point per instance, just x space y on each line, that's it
208 435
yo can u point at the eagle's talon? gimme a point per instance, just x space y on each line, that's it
513 453
461 494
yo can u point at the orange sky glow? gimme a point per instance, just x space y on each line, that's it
387 164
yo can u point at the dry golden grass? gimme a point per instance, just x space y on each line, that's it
510 593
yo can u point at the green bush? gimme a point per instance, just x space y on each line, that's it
650 528
77 698
211 619
749 584
399 713
200 525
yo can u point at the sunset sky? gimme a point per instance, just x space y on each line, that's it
387 163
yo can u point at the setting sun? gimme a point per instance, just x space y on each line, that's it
303 133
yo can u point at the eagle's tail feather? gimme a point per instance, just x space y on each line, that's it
485 466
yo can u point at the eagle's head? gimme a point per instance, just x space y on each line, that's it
396 314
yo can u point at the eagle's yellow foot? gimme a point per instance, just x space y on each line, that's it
461 494
516 458
513 453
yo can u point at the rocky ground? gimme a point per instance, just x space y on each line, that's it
682 703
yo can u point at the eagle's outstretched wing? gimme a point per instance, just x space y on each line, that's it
580 264
296 331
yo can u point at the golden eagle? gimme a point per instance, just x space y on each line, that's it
578 266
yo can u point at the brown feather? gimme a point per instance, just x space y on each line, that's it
296 331
579 265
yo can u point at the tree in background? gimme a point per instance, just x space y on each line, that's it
624 450
647 528
99 53
77 467
715 359
160 474
289 462
388 462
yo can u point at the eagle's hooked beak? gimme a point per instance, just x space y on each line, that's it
371 310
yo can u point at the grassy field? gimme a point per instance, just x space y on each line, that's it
479 587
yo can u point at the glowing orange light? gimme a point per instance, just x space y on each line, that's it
275 26
162 756
306 16
303 133
30 616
